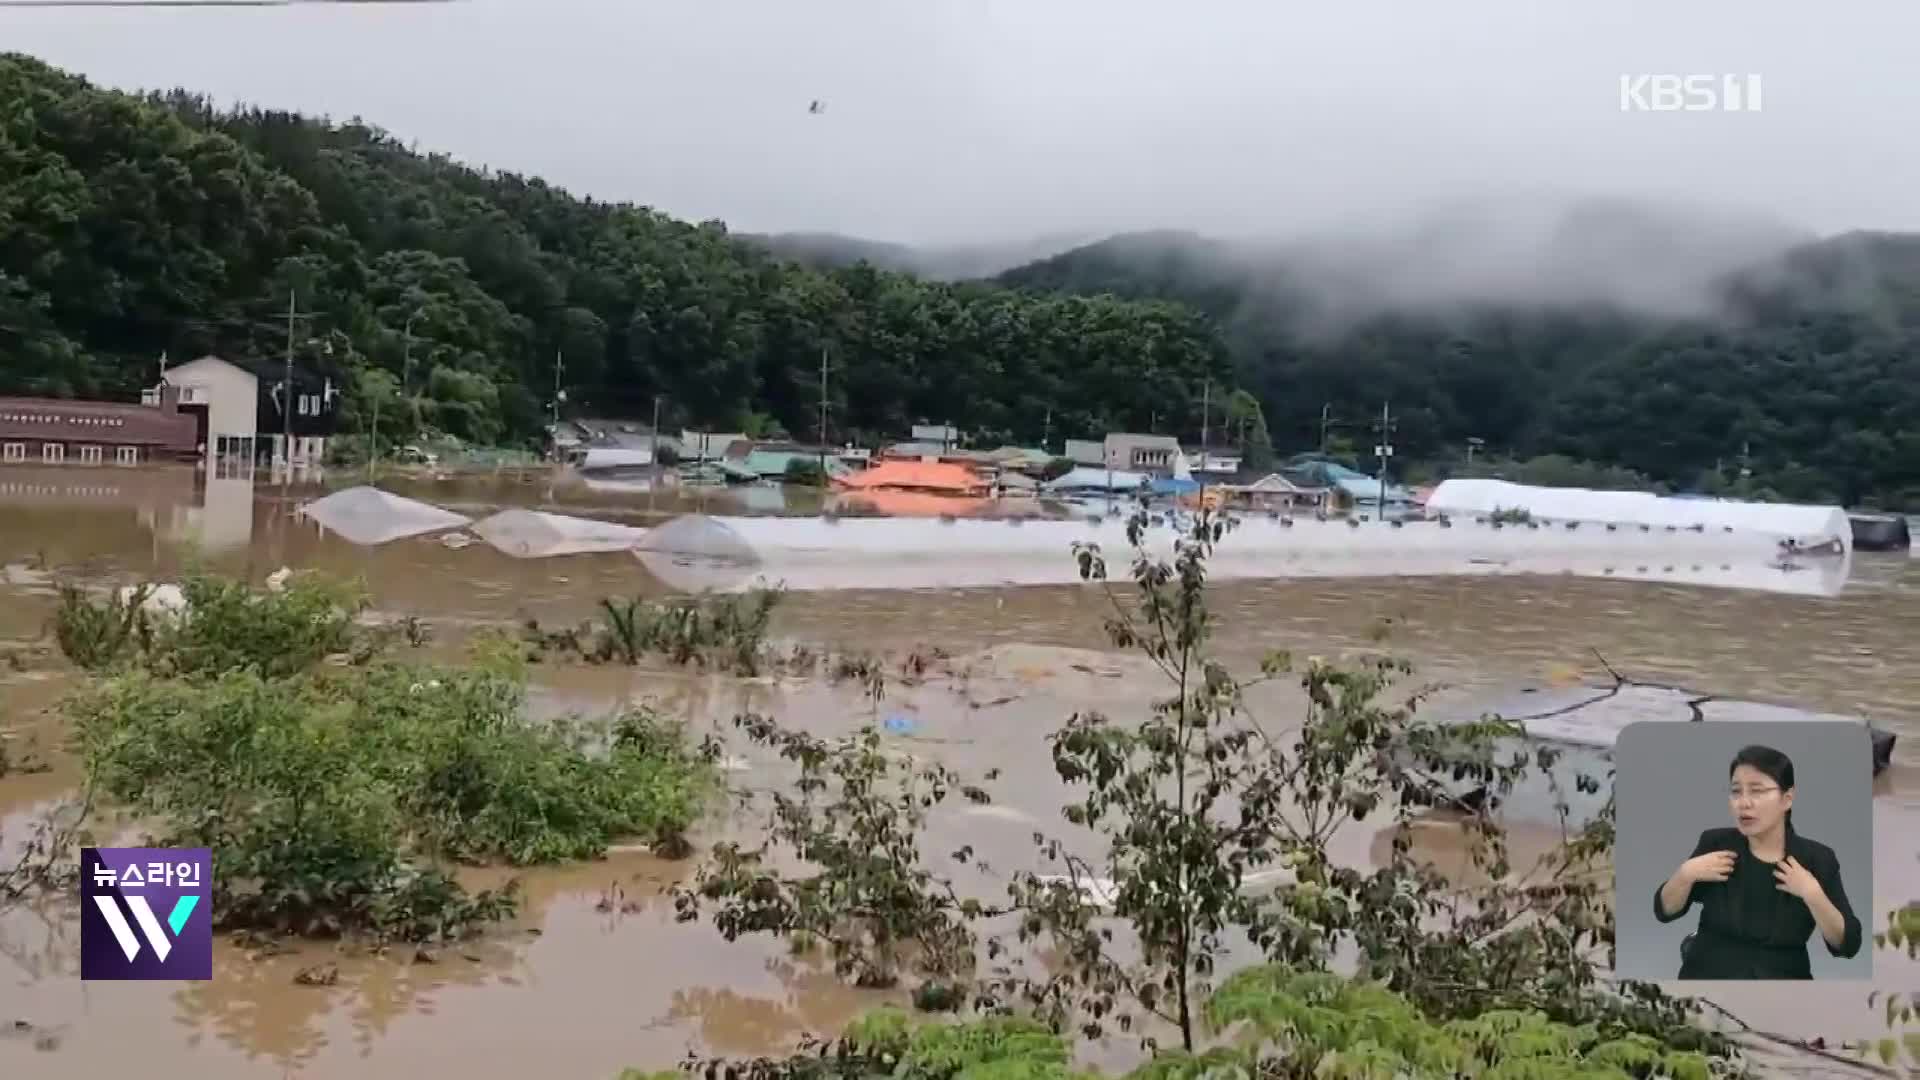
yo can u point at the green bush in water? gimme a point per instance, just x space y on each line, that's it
224 626
328 797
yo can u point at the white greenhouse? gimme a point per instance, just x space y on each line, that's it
1809 526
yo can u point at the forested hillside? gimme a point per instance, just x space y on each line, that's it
1802 368
133 226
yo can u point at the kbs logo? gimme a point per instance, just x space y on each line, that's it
1690 93
143 883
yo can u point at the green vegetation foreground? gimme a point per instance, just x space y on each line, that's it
340 788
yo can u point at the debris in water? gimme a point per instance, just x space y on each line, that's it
168 599
424 956
318 975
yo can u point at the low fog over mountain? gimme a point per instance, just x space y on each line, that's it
956 262
1634 257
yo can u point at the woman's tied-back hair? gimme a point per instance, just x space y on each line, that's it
1771 763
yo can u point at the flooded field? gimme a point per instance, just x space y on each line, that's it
594 975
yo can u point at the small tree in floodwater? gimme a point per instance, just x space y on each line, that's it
1216 832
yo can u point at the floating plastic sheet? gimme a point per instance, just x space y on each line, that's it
1810 526
728 553
366 515
534 534
1585 722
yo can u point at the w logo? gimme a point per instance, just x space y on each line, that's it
150 926
144 913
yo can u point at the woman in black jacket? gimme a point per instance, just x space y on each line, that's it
1763 889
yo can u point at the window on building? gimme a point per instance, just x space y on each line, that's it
90 455
13 451
53 453
126 455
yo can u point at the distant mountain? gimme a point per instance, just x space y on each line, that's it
953 262
1675 341
1647 259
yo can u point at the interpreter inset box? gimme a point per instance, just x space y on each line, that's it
1743 850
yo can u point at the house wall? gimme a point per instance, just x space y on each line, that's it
1085 452
232 396
46 431
1141 453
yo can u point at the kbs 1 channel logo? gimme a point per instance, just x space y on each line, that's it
145 913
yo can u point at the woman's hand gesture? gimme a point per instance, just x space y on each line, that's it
1713 866
1796 879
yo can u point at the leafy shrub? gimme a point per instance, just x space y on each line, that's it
327 796
1273 1022
724 632
95 634
225 625
1196 803
856 813
805 472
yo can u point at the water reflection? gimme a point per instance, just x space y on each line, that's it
220 520
80 513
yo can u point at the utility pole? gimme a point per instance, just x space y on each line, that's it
1474 443
1384 451
653 449
406 365
292 316
823 417
559 365
1326 424
1206 402
1046 431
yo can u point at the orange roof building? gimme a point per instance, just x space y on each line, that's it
934 477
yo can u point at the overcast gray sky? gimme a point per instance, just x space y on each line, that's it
958 120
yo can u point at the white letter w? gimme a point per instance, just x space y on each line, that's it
124 933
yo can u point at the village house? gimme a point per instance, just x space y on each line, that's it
1214 462
237 407
1157 455
708 445
945 436
52 431
1088 452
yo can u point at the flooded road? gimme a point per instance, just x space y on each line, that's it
572 990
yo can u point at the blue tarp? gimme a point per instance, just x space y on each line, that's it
1173 485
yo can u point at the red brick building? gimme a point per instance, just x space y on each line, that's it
53 431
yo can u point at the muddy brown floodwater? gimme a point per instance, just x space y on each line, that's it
579 986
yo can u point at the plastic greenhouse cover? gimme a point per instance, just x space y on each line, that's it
366 516
533 534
